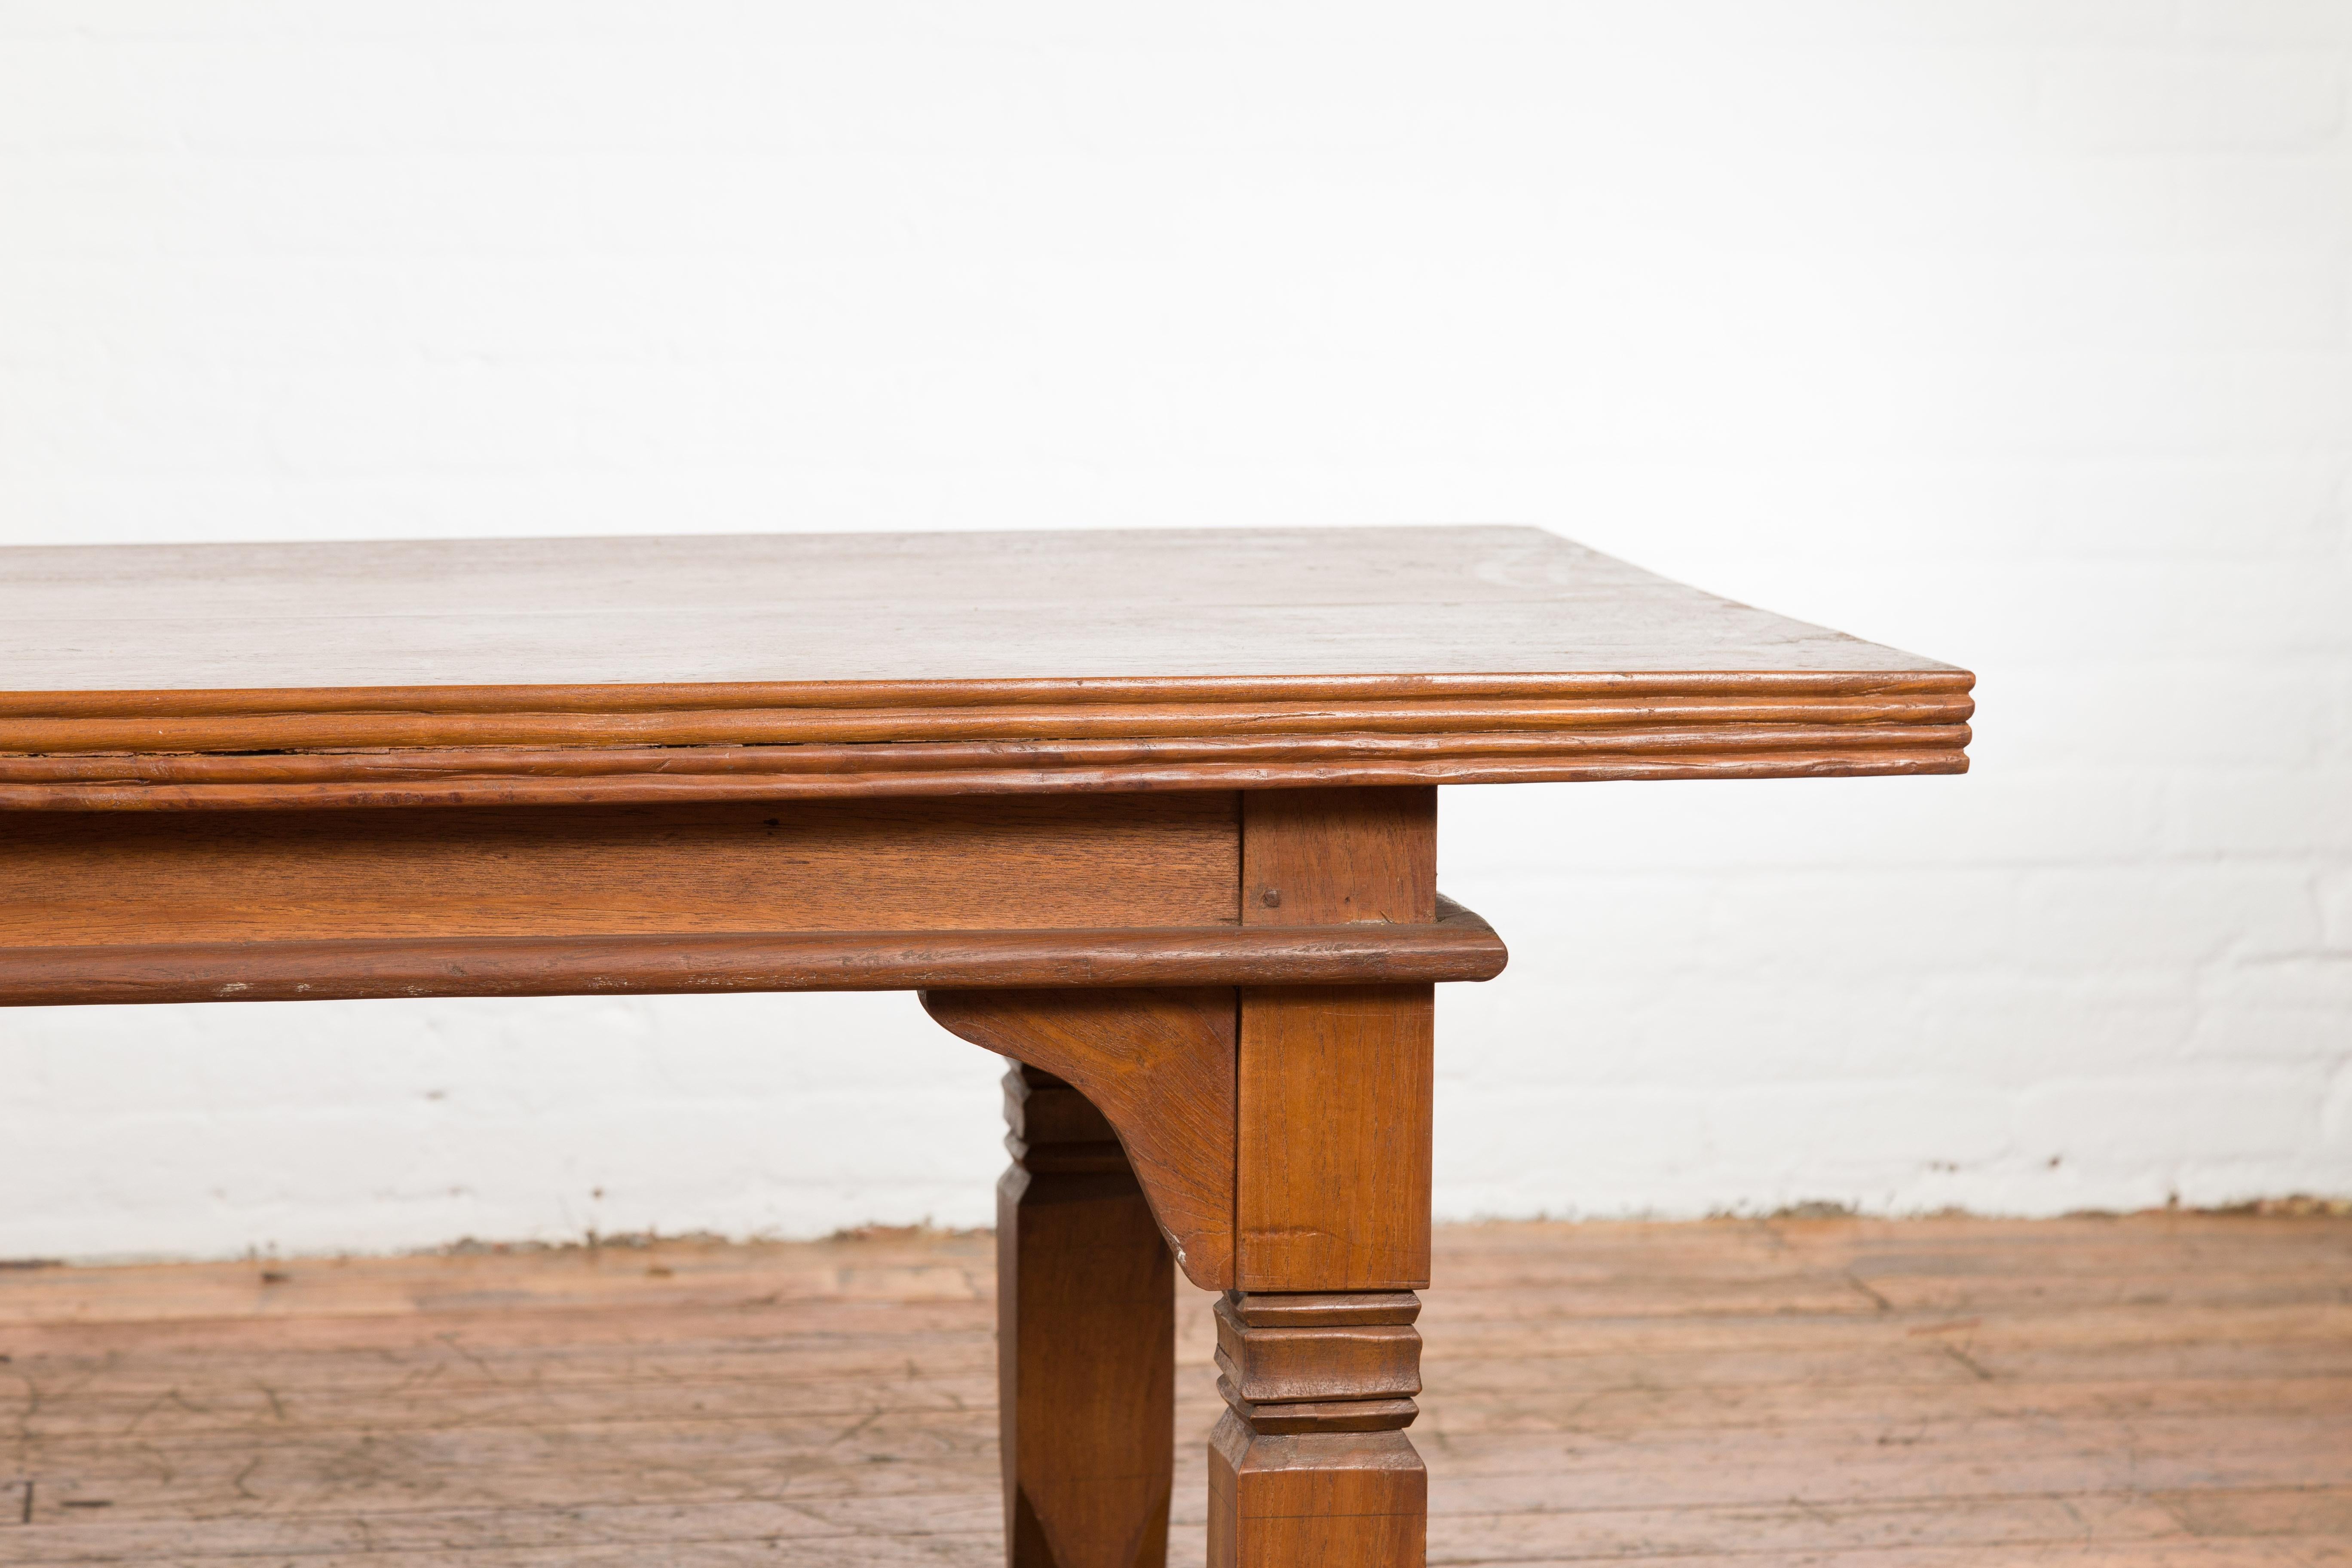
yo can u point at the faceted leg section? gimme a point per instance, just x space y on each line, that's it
1086 1341
1311 1467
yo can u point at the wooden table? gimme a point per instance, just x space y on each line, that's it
1152 813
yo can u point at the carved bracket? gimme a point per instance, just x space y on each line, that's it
1159 1066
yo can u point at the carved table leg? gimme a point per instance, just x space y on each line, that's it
1086 1341
1310 1464
1282 1136
1311 1467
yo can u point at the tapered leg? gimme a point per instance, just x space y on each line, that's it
1086 1341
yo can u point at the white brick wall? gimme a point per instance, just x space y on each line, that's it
2014 331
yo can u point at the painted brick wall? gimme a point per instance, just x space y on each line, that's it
2014 331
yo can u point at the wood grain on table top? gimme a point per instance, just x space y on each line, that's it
875 606
756 666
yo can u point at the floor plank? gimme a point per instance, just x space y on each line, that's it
2151 1391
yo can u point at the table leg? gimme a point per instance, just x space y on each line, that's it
1086 1341
1309 1465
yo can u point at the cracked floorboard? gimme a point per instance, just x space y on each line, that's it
2154 1390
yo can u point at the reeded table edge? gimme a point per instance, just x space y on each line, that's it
516 745
917 695
1458 945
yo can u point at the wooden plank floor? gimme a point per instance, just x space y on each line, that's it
2157 1390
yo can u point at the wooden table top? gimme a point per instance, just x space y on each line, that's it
875 606
615 669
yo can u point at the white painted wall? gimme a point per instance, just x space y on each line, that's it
2014 331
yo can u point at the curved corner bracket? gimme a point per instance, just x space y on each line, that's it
1159 1066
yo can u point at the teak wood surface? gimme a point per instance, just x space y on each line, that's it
1154 815
754 668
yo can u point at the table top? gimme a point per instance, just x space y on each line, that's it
514 669
874 606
